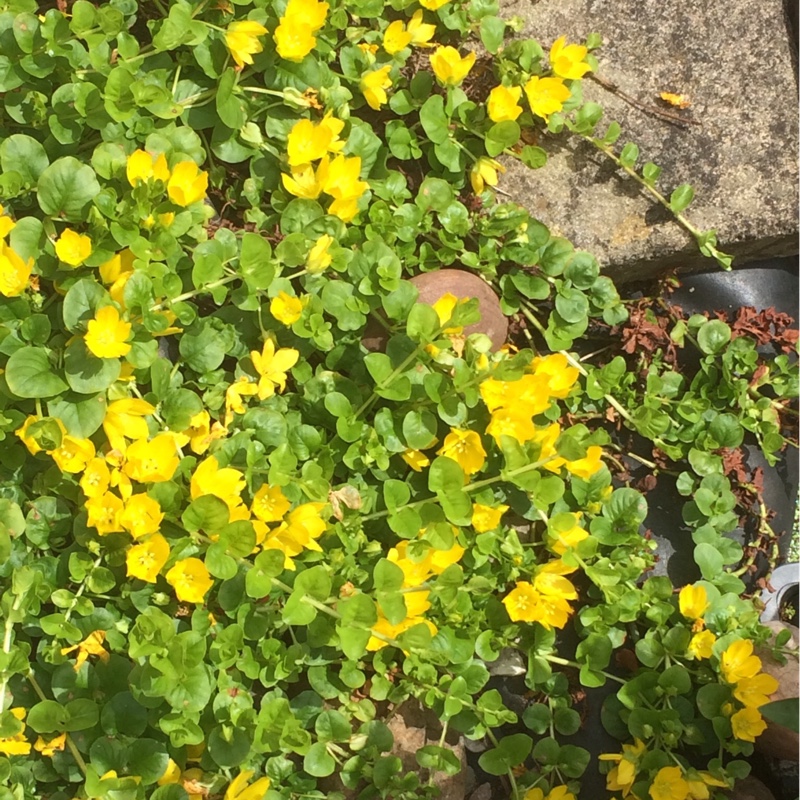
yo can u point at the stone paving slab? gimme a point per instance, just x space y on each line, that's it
735 60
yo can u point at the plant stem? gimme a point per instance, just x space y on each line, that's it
567 663
188 295
8 633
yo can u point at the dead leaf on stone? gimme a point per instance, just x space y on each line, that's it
676 100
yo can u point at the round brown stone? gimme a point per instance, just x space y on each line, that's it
461 284
750 788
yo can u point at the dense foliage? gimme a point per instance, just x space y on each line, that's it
232 539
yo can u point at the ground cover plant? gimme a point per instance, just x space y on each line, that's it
233 541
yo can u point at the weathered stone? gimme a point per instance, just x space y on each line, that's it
778 741
751 789
413 727
460 283
735 63
483 792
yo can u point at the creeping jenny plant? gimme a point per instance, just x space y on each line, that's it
232 540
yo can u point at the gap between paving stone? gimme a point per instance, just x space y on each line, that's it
735 61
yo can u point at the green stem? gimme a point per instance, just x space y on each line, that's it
189 295
567 663
81 590
7 635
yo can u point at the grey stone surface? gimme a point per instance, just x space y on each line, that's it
735 62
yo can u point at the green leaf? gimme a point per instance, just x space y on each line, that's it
30 374
710 561
420 429
87 374
47 717
629 155
492 33
82 302
23 154
81 415
82 714
680 198
502 135
713 336
207 513
533 157
434 120
231 107
66 188
318 761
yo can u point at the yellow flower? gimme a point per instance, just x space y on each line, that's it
693 602
747 724
515 423
546 96
144 561
622 777
286 309
444 308
294 40
187 184
73 454
415 459
272 366
587 466
142 515
92 645
107 333
421 33
300 530
309 142
190 579
486 518
241 789
226 483
48 748
503 103
14 272
556 793
117 265
233 397
560 541
294 36
522 603
201 433
306 182
73 248
669 784
465 448
153 461
449 67
374 85
433 5
241 37
96 478
738 662
396 38
172 774
699 783
754 692
16 745
341 180
701 645
6 224
484 173
545 601
104 511
143 167
270 504
319 257
124 419
557 374
567 59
